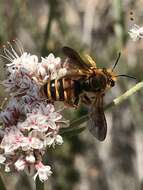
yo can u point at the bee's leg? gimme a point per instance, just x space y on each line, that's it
85 99
70 104
76 101
48 101
70 101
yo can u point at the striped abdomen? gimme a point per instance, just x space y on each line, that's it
64 89
68 90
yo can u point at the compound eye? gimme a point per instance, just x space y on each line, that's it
112 83
95 83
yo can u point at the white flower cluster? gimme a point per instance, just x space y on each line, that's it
30 125
136 32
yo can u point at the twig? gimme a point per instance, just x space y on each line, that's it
75 125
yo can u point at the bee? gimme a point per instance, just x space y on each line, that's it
84 78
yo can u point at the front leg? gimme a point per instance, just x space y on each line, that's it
76 101
85 99
72 104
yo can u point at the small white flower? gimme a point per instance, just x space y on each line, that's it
20 164
50 112
49 108
136 32
53 140
59 140
49 141
7 168
19 81
12 140
34 121
51 62
25 61
31 143
30 158
53 65
11 113
42 118
30 64
2 158
42 72
43 171
9 83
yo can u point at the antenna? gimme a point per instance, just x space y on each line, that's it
128 76
119 55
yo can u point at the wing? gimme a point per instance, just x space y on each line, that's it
85 63
88 59
98 125
76 73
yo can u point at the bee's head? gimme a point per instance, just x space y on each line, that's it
110 77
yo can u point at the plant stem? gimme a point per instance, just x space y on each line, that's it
51 17
2 185
39 185
126 95
118 26
76 123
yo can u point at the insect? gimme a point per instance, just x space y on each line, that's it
84 78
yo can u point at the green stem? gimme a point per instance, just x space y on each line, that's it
126 95
75 125
118 26
39 185
2 185
51 17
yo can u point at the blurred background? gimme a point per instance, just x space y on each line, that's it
99 28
